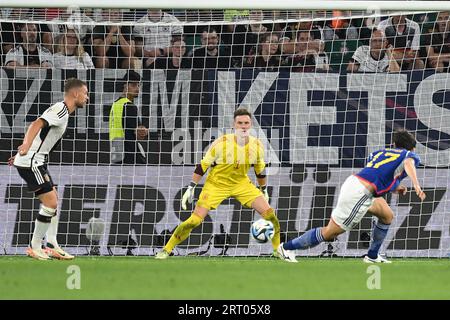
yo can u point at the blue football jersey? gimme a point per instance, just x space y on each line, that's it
385 169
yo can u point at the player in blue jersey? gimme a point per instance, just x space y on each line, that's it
362 193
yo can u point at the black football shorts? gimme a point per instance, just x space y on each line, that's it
38 179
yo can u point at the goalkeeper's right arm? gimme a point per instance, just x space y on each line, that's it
200 170
188 195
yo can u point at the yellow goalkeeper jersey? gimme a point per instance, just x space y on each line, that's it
229 162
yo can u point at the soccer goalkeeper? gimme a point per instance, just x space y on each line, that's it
229 158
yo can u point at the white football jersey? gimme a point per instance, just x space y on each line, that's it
73 62
56 117
16 54
367 63
414 43
157 34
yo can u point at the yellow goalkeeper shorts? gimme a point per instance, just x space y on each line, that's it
212 195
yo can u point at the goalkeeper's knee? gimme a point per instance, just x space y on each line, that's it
193 221
185 228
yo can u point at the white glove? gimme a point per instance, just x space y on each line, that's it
188 195
265 193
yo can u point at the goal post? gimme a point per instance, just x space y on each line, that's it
245 4
326 87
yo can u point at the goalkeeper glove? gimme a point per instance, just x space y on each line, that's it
265 193
188 195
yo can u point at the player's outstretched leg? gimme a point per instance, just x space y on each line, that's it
310 239
53 249
180 234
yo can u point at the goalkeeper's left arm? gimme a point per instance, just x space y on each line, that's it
260 172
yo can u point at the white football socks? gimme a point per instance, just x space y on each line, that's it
40 228
53 231
41 225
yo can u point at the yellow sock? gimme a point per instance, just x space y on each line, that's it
182 231
270 215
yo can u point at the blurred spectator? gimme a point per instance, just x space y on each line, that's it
153 34
57 26
60 19
267 53
340 28
5 12
113 43
326 30
233 15
177 59
93 14
289 35
273 16
374 58
72 18
29 53
366 26
84 23
10 31
52 13
242 38
71 54
307 58
210 56
9 36
404 36
437 42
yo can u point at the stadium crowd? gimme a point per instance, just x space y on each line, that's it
155 39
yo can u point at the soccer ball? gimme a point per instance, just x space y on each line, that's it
95 229
262 230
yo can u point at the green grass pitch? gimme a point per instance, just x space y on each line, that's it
222 278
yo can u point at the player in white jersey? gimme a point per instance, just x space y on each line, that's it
31 161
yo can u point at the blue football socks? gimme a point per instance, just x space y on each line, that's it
309 239
379 232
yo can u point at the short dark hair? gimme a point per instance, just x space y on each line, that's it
212 29
267 35
176 38
300 31
131 76
73 83
241 112
404 139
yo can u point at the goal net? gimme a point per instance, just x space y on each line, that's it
326 88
